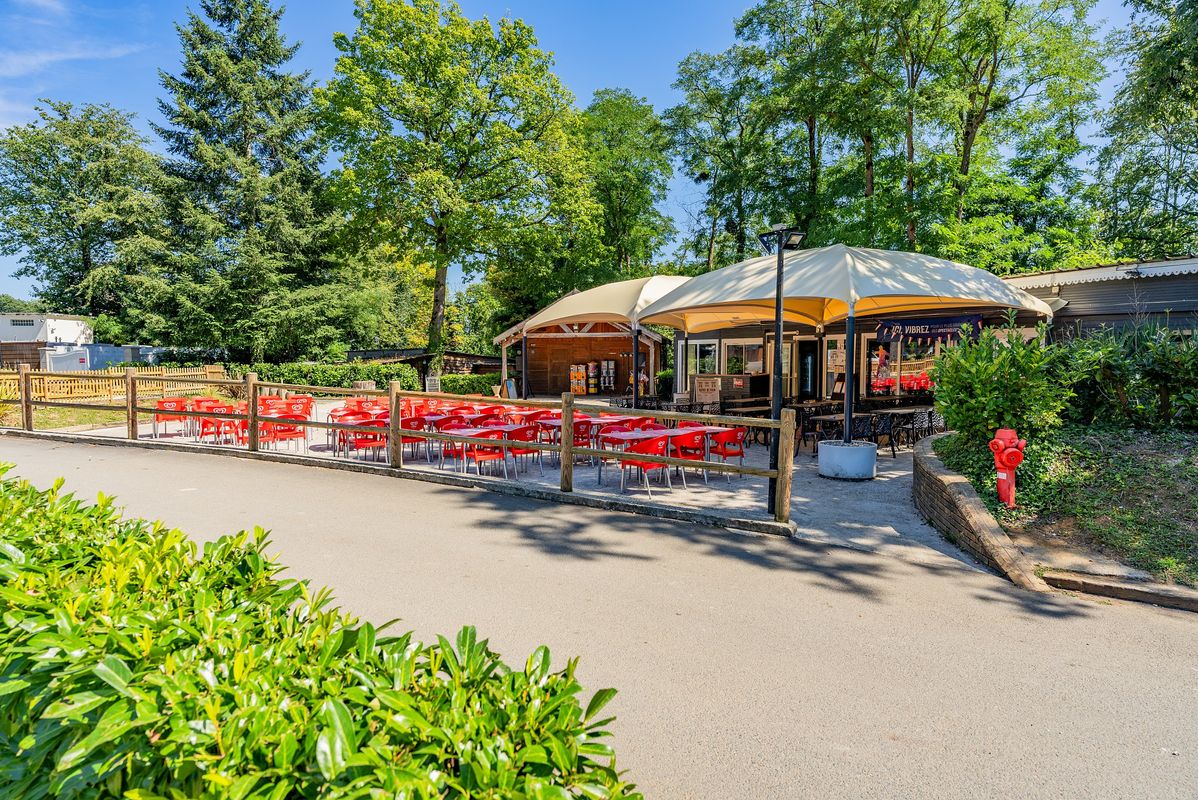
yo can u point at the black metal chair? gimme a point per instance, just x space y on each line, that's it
884 426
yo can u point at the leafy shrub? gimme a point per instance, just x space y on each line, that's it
1145 376
333 375
1042 477
665 384
470 384
134 666
998 381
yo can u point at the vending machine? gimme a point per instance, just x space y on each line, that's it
592 377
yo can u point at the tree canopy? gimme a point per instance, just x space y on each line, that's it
445 183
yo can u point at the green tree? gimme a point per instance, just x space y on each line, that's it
1149 168
629 153
78 205
249 224
8 304
455 134
724 134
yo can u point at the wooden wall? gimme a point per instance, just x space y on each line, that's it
549 359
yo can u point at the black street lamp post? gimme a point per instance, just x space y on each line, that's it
779 238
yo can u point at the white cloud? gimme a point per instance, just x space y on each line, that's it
19 64
49 6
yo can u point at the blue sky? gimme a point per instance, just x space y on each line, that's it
110 51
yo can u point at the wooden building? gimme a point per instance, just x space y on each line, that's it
553 350
1162 292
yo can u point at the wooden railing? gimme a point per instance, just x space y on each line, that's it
132 386
107 384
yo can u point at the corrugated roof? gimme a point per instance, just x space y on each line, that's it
1187 265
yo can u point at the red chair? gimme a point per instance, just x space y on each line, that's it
690 423
487 419
640 423
462 410
218 429
348 418
480 453
601 441
415 424
275 432
649 447
527 433
729 444
653 426
360 440
690 447
169 404
452 449
584 433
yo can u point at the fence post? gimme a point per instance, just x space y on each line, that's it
25 386
251 387
394 440
131 401
786 457
567 442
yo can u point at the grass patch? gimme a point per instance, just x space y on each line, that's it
48 418
1129 494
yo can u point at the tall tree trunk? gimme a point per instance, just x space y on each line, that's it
741 239
440 285
867 145
715 221
910 178
812 174
968 138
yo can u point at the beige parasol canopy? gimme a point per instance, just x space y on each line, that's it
820 285
622 301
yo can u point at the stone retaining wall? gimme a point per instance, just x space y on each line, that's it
950 504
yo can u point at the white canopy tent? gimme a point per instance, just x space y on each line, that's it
822 285
829 284
619 303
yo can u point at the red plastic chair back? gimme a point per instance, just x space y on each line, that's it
690 423
454 420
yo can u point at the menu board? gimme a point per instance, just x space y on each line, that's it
707 389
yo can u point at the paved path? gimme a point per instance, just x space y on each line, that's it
752 667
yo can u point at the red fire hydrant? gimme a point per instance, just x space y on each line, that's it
1008 454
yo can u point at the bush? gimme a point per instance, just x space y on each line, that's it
665 384
470 384
998 381
134 666
333 375
1145 376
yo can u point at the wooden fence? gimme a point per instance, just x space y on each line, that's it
134 386
108 385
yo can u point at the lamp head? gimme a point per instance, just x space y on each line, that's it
789 237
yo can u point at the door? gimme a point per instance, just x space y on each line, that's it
808 370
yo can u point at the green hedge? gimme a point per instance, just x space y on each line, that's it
133 665
338 375
470 384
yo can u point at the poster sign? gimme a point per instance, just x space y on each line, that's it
432 384
509 389
948 328
835 359
707 389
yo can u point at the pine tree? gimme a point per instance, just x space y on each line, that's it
248 221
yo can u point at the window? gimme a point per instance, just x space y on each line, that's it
21 323
882 368
701 359
744 359
918 357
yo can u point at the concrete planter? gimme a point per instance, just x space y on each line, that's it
856 461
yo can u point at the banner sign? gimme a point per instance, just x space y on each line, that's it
949 328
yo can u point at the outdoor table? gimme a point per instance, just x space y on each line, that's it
822 418
626 437
909 412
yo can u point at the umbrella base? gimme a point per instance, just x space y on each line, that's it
856 461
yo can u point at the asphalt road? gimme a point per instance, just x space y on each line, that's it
748 667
